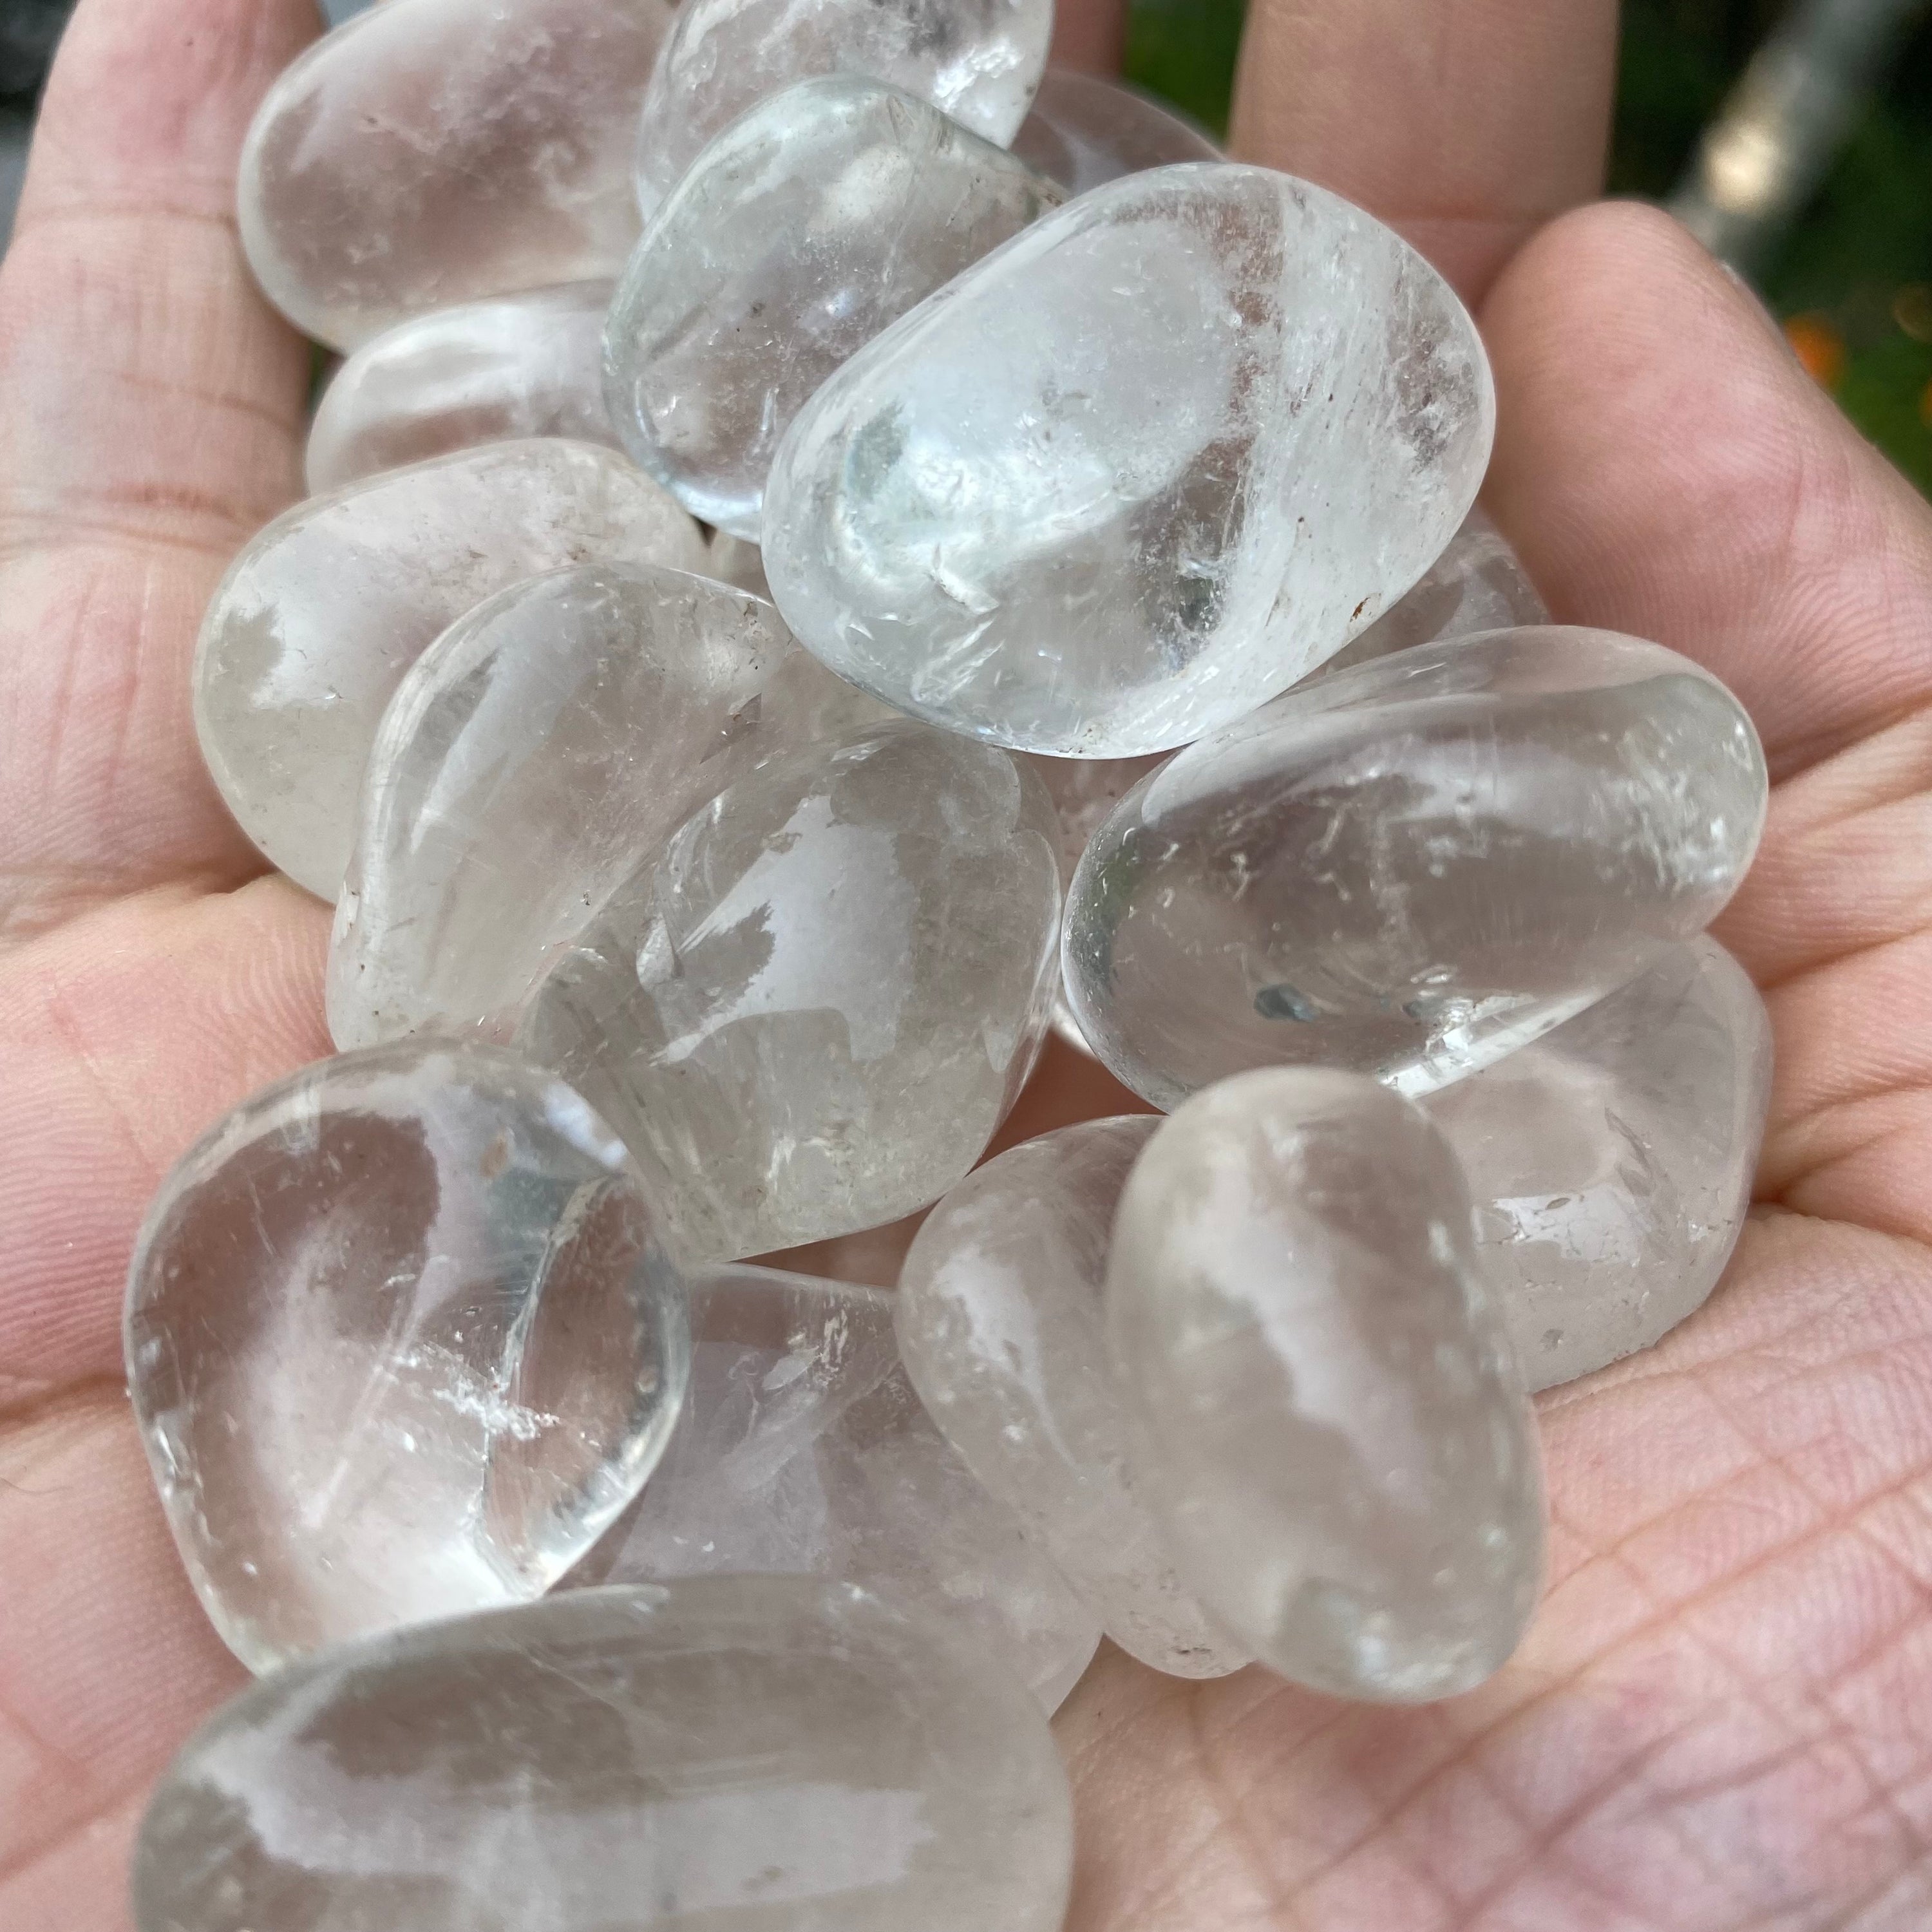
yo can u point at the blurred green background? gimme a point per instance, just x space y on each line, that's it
1853 279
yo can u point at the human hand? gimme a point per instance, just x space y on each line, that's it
1720 1717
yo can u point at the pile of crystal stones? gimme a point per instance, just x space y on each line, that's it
837 549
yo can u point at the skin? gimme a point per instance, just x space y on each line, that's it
1722 1718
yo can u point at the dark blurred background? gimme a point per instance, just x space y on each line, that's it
1795 135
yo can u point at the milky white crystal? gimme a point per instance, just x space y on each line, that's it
401 1343
431 151
1612 1160
719 1754
809 1015
515 365
1083 131
1411 868
824 214
977 61
999 1314
540 751
802 1448
311 630
1136 471
1334 1432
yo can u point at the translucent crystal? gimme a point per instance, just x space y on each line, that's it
1612 1160
1000 1318
799 233
733 561
1083 131
1410 868
430 152
401 1343
720 1754
810 1015
977 61
1335 1435
985 520
322 612
802 1449
540 751
516 365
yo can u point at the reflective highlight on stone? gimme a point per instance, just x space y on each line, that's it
1336 1438
1410 868
823 215
978 61
1612 1161
802 1449
429 152
517 365
809 1016
723 1752
401 1344
311 630
1083 131
979 519
540 750
999 1314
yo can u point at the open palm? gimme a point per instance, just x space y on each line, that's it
1723 1716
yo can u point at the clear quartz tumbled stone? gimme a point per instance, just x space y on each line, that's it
717 1754
802 1448
1333 1432
401 1344
809 1016
431 151
1612 1160
823 215
312 629
1410 868
978 61
1000 1319
1083 131
1136 471
492 371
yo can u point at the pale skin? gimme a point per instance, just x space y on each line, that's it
1722 1718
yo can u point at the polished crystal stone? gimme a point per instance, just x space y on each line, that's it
824 214
516 365
977 61
718 1754
1612 1160
1334 1431
1138 471
808 1017
432 151
401 1343
311 630
1083 131
1409 869
540 750
1000 1317
802 1449
733 561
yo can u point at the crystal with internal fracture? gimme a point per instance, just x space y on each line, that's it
1413 867
720 1752
1612 1160
431 151
809 1015
823 215
1000 1317
803 1449
401 1343
1083 131
1334 1431
978 61
321 613
1138 471
491 371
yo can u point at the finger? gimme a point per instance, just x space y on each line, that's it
1091 35
1465 124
